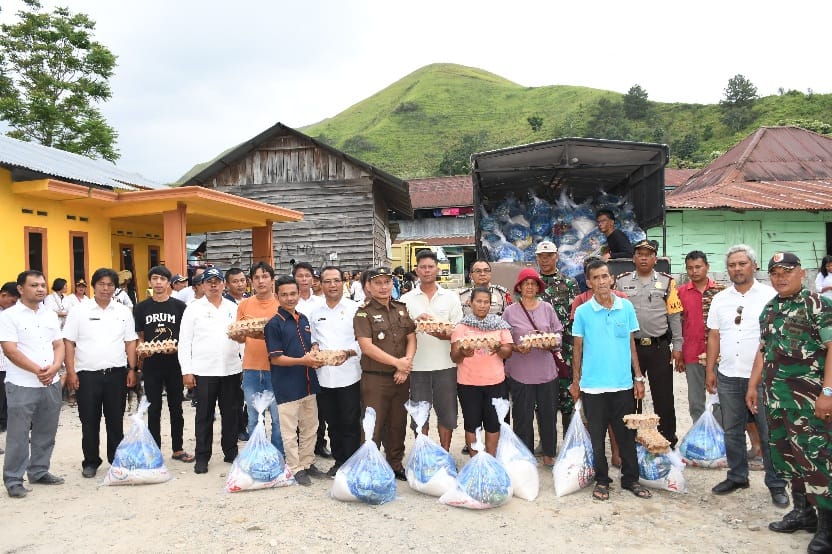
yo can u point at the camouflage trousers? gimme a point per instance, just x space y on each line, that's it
801 452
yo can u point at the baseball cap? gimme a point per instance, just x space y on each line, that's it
646 243
80 282
546 246
786 260
178 278
212 273
377 272
124 275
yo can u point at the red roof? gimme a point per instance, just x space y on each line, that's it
441 192
677 177
785 168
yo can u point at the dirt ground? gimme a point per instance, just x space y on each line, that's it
192 513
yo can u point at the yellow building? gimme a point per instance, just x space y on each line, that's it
68 215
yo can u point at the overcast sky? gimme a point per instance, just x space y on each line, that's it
196 77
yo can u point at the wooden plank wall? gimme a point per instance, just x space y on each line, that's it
335 197
381 257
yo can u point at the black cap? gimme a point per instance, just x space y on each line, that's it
378 271
646 243
786 260
178 278
212 273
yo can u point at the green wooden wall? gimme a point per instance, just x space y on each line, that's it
767 231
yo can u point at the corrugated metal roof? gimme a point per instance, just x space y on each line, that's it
786 168
442 192
66 166
677 177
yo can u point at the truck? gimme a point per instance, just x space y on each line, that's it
583 167
404 254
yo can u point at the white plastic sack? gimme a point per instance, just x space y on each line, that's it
259 465
704 443
661 471
138 460
483 482
575 466
429 468
519 462
365 476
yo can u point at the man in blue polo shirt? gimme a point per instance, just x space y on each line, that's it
294 381
604 359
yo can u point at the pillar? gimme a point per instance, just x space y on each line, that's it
262 244
175 254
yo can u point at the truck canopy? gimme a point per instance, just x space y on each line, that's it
580 165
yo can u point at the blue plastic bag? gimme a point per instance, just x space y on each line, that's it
483 482
704 443
365 476
138 460
429 468
661 471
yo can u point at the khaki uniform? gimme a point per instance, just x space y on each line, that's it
500 298
388 327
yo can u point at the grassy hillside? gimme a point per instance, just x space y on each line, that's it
445 111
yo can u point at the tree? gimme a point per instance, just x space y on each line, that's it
457 160
635 103
535 122
738 103
52 74
607 121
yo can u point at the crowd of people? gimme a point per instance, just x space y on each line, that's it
763 349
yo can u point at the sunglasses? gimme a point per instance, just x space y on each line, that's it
738 319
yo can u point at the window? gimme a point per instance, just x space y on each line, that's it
127 258
78 259
35 245
153 256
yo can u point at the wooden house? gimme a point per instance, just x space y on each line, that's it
772 191
67 215
345 201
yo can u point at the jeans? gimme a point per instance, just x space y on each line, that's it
734 420
255 381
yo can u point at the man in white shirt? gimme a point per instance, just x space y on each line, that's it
100 340
31 340
340 395
434 373
734 338
178 283
8 298
212 361
189 294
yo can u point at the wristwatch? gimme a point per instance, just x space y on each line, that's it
639 379
827 391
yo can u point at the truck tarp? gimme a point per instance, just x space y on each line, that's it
581 166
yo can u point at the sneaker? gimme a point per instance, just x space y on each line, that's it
47 479
242 436
332 471
400 475
302 478
17 491
88 472
201 467
313 471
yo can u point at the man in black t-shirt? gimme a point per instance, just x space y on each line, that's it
618 245
158 319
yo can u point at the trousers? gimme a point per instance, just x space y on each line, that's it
31 428
155 381
101 393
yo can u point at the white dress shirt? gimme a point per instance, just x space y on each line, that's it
305 306
34 331
332 330
432 353
738 344
99 334
204 346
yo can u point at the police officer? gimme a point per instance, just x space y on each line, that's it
480 272
659 313
560 292
793 365
387 338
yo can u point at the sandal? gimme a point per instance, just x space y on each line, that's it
183 456
640 490
601 492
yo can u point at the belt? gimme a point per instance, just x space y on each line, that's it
106 370
382 373
650 341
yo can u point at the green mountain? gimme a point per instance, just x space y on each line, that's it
438 115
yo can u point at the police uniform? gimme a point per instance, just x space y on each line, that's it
795 332
560 292
500 298
388 327
659 312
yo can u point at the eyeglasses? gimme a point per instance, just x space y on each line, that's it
331 282
481 271
738 319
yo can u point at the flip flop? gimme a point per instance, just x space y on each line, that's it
601 492
639 490
184 457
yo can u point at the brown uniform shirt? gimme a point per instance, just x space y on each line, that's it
388 327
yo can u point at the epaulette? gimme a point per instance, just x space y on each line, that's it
668 275
501 288
622 275
463 291
399 302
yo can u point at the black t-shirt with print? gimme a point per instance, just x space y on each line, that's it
159 321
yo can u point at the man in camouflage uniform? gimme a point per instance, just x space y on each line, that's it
560 292
659 312
480 272
793 362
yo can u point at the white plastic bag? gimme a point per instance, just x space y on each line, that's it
429 468
259 465
138 460
483 482
661 471
575 467
704 443
365 476
519 462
